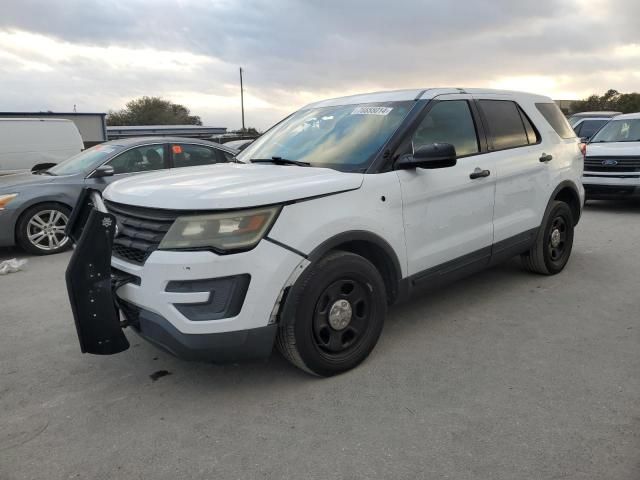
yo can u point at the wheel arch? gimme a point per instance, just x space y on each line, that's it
372 247
567 192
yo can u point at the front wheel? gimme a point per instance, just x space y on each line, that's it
41 229
550 253
333 315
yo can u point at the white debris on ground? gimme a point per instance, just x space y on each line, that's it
12 266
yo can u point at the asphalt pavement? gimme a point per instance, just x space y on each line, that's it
504 375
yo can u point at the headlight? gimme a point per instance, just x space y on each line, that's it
5 199
239 230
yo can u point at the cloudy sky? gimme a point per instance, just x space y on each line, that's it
100 54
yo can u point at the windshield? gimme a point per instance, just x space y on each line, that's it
343 137
85 161
619 131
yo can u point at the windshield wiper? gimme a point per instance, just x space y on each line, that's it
44 172
280 161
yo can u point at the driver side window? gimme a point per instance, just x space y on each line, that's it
449 121
140 159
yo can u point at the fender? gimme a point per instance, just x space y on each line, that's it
389 264
564 184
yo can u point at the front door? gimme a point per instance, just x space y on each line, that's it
448 211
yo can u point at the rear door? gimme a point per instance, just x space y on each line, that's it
448 211
522 178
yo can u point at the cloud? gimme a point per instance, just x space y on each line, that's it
100 54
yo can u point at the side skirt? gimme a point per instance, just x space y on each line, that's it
466 265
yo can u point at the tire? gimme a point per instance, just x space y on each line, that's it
319 332
40 230
552 248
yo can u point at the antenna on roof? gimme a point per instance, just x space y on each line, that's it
242 99
74 108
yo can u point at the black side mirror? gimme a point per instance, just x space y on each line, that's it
585 139
103 171
434 155
42 166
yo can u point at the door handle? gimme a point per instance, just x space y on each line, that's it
479 173
546 158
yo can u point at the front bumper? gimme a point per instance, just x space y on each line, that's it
157 295
598 185
252 344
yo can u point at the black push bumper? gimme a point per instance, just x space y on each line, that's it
96 309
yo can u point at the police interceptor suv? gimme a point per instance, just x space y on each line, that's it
342 209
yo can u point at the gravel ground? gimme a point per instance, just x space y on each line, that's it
505 375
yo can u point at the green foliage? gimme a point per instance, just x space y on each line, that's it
152 111
247 131
611 100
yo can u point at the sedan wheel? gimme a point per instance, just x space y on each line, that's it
41 229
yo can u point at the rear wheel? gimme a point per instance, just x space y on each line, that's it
552 248
333 315
41 229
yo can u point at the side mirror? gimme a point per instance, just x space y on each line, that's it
584 139
434 155
42 166
103 171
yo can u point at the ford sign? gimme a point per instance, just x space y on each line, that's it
609 163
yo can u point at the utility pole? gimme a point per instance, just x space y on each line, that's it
242 100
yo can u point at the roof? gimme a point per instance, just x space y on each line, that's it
134 141
415 94
35 119
52 114
603 113
627 116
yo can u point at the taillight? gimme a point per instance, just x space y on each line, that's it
583 149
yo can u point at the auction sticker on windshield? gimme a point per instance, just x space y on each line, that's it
371 111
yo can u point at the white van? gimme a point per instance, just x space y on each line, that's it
26 142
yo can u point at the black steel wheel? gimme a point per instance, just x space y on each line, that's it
552 248
333 315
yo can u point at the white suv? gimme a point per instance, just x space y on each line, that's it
345 207
612 160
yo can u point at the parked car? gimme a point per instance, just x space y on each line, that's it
576 117
612 160
35 206
26 142
585 128
345 207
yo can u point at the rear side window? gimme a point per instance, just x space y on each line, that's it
552 114
506 125
186 155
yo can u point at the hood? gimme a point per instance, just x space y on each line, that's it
613 149
8 182
229 185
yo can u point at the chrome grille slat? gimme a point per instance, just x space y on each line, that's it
624 164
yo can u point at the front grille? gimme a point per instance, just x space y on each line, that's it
624 164
140 230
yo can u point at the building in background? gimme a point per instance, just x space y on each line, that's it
92 126
191 131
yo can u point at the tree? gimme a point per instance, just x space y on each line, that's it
152 111
611 100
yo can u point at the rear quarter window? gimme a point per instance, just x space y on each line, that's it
553 115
